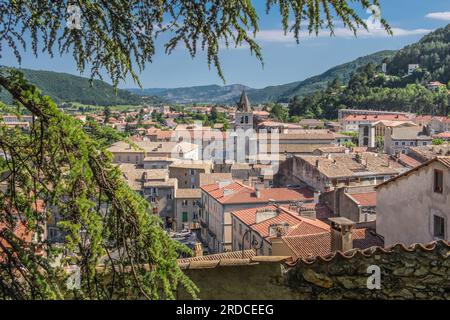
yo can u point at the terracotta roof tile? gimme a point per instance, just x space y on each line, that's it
237 192
311 245
220 256
366 199
361 117
408 160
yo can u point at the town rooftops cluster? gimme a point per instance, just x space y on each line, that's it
228 192
351 165
375 117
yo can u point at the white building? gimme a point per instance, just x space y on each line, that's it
414 207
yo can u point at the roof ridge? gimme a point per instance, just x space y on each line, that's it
368 252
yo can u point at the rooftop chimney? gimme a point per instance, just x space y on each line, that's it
316 196
341 234
258 188
224 183
278 229
307 212
198 250
265 214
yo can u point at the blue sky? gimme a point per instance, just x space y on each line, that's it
284 60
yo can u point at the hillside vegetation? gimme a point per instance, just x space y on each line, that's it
369 88
63 87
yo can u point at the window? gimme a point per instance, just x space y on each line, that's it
424 143
246 119
403 143
438 181
184 217
439 227
240 228
184 203
169 196
396 143
366 131
366 142
192 172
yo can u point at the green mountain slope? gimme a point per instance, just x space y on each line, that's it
343 72
278 93
432 52
63 87
369 88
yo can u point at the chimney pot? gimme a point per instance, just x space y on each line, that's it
341 234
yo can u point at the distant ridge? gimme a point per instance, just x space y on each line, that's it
64 87
279 93
196 94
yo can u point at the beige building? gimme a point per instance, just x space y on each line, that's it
187 206
220 199
326 173
155 186
357 204
415 207
188 172
157 162
426 153
253 228
124 152
351 122
401 139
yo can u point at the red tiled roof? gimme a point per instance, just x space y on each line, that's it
442 135
323 212
365 238
240 193
408 160
298 225
20 231
424 117
263 227
219 256
311 245
319 244
366 199
361 117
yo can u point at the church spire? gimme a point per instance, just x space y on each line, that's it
244 104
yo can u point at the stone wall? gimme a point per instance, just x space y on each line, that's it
416 272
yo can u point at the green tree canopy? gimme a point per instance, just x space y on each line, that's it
119 36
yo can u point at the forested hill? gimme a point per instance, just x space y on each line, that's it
370 88
310 85
278 93
432 53
63 87
196 94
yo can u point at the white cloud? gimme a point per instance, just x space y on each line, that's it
278 36
445 15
